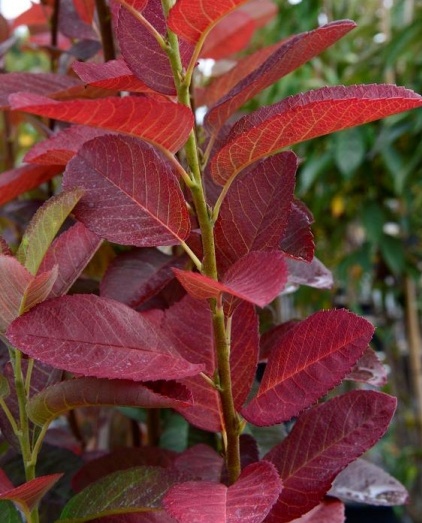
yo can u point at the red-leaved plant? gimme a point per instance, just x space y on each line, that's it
207 233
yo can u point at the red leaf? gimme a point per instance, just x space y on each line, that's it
29 494
136 276
165 124
37 14
369 369
323 441
132 195
262 11
71 25
200 462
85 9
22 179
298 240
264 71
246 501
70 253
114 74
123 344
257 278
305 116
329 511
62 146
255 213
193 19
312 358
364 482
93 392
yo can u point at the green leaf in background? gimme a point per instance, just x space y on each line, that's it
393 253
9 513
373 219
349 151
175 433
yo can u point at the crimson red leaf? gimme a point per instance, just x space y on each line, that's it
85 9
193 19
70 253
246 501
163 123
29 494
37 14
89 392
123 345
285 58
132 195
364 482
305 116
22 179
369 369
323 441
257 278
134 277
298 240
319 351
255 212
59 148
329 511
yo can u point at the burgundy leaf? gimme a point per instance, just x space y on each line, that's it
246 501
255 212
136 276
123 345
29 494
132 195
364 482
71 25
163 123
200 462
90 392
287 56
305 116
114 75
298 240
4 247
323 441
369 369
59 148
313 274
329 511
320 351
193 19
70 253
22 179
257 278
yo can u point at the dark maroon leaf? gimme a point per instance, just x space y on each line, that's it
255 213
200 462
136 276
246 501
323 441
71 25
320 350
132 195
298 240
123 345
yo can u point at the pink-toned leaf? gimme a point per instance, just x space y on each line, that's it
4 247
70 253
44 226
132 195
319 351
329 511
323 441
159 516
246 501
62 146
231 35
369 369
285 58
305 116
114 74
36 83
298 240
29 494
364 482
39 289
123 345
90 392
136 276
165 124
138 489
255 213
193 19
22 179
200 462
257 278
121 459
313 274
262 11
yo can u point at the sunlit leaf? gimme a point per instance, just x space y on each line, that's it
329 511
